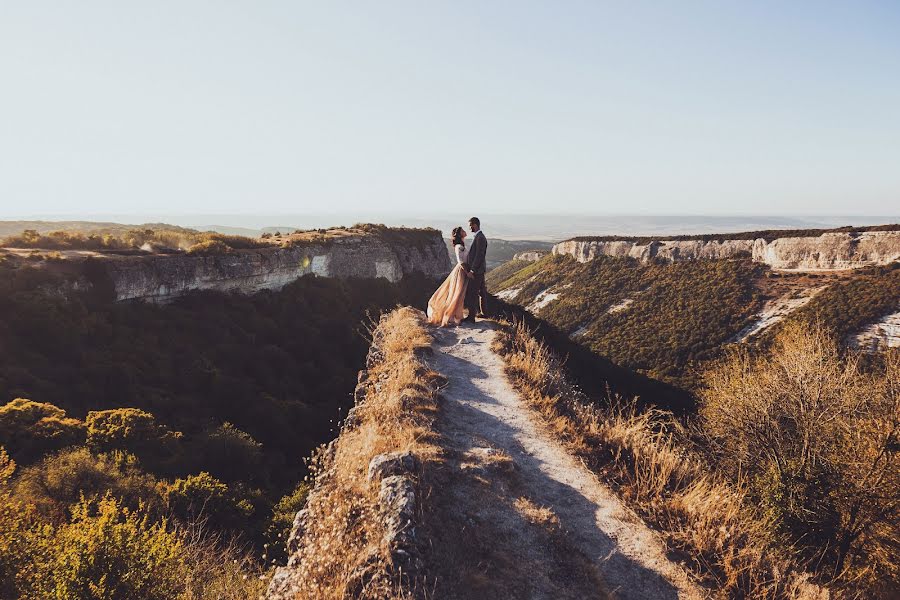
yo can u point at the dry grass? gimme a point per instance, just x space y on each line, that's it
645 456
539 515
342 554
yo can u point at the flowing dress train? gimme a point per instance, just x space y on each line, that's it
447 303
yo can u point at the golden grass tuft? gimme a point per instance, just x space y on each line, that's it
539 515
342 554
646 457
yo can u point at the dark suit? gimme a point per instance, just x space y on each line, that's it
476 292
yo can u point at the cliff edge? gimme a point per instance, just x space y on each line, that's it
364 251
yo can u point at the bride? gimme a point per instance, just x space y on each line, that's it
446 305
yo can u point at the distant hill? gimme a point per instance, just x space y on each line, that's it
500 251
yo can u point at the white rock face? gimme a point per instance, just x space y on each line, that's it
620 306
160 278
776 310
879 336
542 300
827 252
530 255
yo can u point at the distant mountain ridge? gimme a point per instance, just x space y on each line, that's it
813 250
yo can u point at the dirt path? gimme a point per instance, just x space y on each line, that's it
537 523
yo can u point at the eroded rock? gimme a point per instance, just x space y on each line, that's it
393 463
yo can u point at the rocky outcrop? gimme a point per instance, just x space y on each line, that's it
530 255
829 251
879 336
160 278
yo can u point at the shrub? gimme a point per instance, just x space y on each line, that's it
29 430
203 498
816 439
61 480
228 453
209 248
109 552
131 430
282 521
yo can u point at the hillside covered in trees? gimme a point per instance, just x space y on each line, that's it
666 319
199 412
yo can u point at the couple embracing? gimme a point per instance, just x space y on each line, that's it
464 287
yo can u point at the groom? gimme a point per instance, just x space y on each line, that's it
476 293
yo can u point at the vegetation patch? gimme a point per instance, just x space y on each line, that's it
708 489
679 314
848 306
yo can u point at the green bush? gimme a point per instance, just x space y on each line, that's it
203 498
282 521
131 430
110 552
29 430
228 453
60 480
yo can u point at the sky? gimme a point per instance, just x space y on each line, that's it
405 107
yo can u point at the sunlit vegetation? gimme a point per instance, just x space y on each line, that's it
498 275
815 438
679 313
166 239
108 543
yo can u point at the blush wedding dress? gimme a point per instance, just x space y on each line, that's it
446 305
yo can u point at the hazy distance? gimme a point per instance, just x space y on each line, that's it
505 226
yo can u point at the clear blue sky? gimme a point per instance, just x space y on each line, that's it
581 107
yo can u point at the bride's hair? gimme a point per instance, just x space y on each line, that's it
456 236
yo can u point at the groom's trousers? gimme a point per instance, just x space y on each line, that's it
476 296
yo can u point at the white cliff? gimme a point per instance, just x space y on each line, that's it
829 251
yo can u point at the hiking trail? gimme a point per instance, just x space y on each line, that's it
532 513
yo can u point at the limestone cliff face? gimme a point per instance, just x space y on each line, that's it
161 278
829 251
530 255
